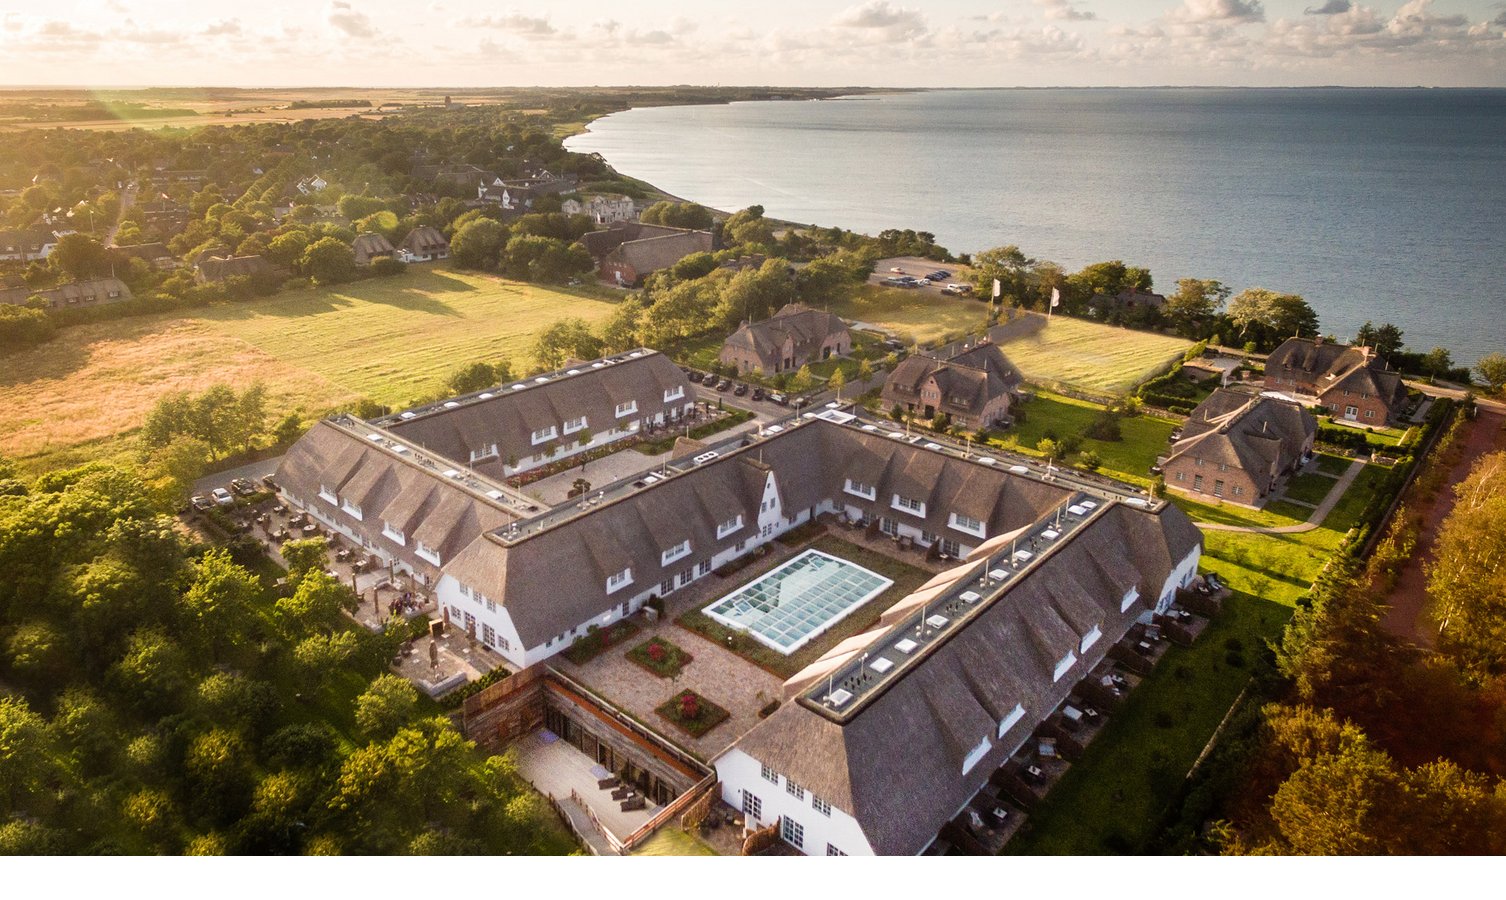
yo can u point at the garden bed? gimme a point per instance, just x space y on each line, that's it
599 640
660 657
733 418
692 713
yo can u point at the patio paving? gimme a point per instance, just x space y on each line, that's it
556 769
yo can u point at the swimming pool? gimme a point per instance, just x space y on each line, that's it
793 604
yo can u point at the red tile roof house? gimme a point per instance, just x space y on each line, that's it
628 252
792 337
1347 381
974 385
1236 447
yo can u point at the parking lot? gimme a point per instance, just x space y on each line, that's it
899 268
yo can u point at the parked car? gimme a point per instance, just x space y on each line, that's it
897 270
758 393
694 376
222 497
922 282
939 275
777 397
270 483
201 502
722 385
892 344
958 289
740 390
243 486
801 402
893 282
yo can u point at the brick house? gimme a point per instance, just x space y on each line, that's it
1235 446
628 252
792 337
973 384
1349 382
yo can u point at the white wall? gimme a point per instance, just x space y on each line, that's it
1180 577
738 771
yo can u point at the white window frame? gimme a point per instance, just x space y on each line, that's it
975 755
627 409
675 553
393 535
820 806
576 424
426 553
906 505
1130 597
545 435
1063 666
793 789
488 452
1009 721
619 581
792 832
1090 639
856 488
966 525
752 805
350 509
729 526
674 393
328 495
768 773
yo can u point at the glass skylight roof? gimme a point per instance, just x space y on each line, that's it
788 607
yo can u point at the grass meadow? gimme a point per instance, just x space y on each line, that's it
81 395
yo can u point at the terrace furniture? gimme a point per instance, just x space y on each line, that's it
621 792
609 782
1034 773
632 803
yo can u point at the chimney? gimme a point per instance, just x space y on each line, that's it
1318 341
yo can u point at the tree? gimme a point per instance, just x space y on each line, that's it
1466 581
477 244
865 370
80 256
26 754
153 673
355 206
477 376
329 261
1437 362
387 705
318 600
1492 370
1009 265
219 596
803 380
836 382
545 259
678 215
38 653
287 249
1194 305
321 654
566 339
23 327
304 556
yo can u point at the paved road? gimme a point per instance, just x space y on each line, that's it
1335 494
127 200
251 470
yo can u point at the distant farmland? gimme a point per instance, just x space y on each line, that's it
79 396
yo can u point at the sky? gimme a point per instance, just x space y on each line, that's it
889 43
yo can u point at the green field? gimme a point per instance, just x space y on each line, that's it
79 396
394 339
1065 351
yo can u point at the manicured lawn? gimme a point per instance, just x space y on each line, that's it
1112 799
1309 487
1144 437
906 579
704 716
1333 465
1388 436
1228 514
81 395
1287 510
660 657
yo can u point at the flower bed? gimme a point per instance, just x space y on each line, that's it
660 657
598 640
692 713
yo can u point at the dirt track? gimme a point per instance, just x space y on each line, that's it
1406 617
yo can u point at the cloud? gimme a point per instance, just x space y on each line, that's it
893 23
350 21
1331 8
1220 12
517 23
223 27
1064 10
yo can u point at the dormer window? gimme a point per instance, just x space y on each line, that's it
576 424
328 495
544 435
913 507
1090 639
677 552
674 393
1064 666
1008 722
859 489
966 524
619 581
976 755
393 534
627 409
427 553
729 526
487 452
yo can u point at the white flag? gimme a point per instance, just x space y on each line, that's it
997 288
1056 297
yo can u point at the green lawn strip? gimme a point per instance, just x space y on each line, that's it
1144 438
1293 511
1229 514
1112 799
1388 436
1309 487
1333 465
671 841
660 657
907 579
707 714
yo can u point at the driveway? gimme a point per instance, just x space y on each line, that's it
251 470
